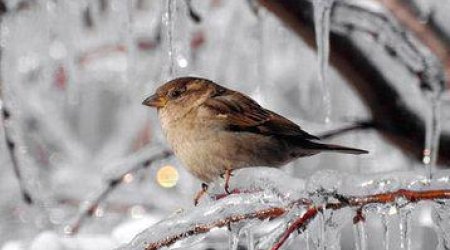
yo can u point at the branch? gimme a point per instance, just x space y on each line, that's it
111 185
425 34
225 211
359 202
11 147
386 99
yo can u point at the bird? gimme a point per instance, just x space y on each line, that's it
214 130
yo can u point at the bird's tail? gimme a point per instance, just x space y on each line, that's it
336 148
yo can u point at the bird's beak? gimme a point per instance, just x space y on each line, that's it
155 101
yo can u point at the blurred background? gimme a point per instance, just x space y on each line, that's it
74 74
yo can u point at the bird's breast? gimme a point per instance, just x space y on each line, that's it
207 149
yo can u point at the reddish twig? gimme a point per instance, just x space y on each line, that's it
299 223
268 213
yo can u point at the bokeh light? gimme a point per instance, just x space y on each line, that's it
167 176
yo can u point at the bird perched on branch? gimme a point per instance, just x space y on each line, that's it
214 130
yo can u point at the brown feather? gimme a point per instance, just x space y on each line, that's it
244 114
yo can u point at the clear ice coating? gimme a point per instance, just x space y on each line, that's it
204 215
322 11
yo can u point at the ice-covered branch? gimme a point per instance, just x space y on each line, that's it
264 195
402 197
136 163
263 214
367 42
425 34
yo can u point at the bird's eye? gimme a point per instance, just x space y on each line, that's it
176 92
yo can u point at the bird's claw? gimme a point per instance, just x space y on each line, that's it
200 193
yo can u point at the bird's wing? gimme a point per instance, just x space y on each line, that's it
241 113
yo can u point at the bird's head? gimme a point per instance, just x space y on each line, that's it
180 95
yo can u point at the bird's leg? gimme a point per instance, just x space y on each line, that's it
200 193
227 180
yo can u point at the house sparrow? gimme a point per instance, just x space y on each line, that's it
214 130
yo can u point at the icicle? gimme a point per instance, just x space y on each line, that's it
176 28
260 66
386 235
131 48
441 218
405 229
433 131
319 232
360 236
168 23
233 240
322 11
333 222
250 239
306 234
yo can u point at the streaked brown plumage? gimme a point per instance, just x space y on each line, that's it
212 129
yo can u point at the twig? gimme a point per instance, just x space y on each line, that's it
193 14
12 151
299 223
268 213
110 186
361 125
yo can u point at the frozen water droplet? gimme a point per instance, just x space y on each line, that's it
401 201
392 210
182 62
